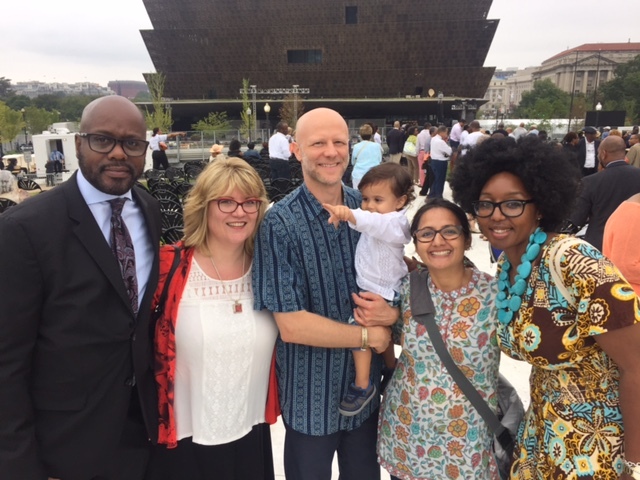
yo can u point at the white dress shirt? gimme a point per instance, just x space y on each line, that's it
379 256
440 150
154 141
279 146
98 203
424 140
590 159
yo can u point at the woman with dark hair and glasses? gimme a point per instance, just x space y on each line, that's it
213 351
427 428
564 308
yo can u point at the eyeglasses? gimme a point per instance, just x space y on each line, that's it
105 144
509 208
428 234
227 205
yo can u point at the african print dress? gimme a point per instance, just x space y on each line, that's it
573 427
427 428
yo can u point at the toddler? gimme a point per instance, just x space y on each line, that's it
386 190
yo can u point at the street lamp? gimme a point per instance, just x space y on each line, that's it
598 108
267 109
25 126
249 126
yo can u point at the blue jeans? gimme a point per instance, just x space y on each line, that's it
440 173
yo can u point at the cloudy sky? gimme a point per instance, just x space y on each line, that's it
79 40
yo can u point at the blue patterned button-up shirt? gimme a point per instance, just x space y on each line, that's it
302 262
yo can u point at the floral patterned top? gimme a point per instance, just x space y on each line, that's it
573 427
427 428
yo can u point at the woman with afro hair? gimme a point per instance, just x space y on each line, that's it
563 308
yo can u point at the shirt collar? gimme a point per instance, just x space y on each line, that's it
316 208
92 195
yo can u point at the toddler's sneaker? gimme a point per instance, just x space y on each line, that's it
356 399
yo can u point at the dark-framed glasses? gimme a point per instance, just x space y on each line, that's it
428 234
100 143
509 208
228 205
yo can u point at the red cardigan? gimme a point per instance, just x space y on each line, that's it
165 346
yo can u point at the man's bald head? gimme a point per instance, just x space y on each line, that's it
308 122
109 106
611 149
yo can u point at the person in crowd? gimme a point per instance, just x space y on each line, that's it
235 149
603 192
563 308
395 141
57 158
216 384
376 135
279 152
570 145
472 139
158 146
426 171
423 147
365 155
78 395
456 133
386 192
251 154
304 273
216 153
588 151
633 153
9 187
264 151
12 166
501 130
520 131
426 427
412 160
620 241
440 155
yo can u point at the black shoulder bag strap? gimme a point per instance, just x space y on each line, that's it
423 312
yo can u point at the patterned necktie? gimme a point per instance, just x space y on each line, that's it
122 248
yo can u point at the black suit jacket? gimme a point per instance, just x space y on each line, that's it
395 140
70 341
601 194
582 152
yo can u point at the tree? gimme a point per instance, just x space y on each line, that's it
623 91
214 121
18 102
5 88
292 108
11 123
544 101
161 115
38 119
245 129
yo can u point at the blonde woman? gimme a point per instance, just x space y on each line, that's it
213 351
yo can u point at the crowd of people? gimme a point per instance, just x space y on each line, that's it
123 360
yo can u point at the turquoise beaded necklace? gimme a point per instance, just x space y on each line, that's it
510 296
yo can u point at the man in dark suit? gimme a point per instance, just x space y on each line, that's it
77 391
588 151
603 192
395 140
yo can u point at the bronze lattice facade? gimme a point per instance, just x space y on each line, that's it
337 49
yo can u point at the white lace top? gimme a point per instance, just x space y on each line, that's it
222 359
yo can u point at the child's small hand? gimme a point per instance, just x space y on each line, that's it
338 213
